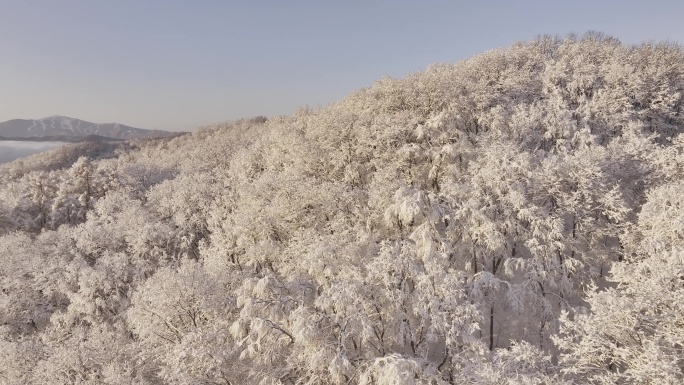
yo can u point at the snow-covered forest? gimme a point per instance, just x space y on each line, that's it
514 218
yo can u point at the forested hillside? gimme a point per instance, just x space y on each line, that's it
514 218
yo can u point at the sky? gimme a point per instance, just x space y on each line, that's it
176 65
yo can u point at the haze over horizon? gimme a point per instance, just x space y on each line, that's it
177 66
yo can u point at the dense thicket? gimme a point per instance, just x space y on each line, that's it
515 218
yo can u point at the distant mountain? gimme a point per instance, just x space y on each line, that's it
63 128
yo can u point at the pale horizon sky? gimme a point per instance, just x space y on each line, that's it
177 65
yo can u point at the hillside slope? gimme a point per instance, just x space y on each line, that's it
514 218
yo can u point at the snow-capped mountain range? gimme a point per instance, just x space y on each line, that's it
69 129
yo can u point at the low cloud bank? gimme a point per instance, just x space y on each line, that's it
11 150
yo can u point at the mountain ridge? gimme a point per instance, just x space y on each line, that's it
70 129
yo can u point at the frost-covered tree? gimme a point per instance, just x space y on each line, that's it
634 332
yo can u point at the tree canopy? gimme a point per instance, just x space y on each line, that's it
514 218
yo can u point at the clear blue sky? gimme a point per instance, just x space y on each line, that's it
177 65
